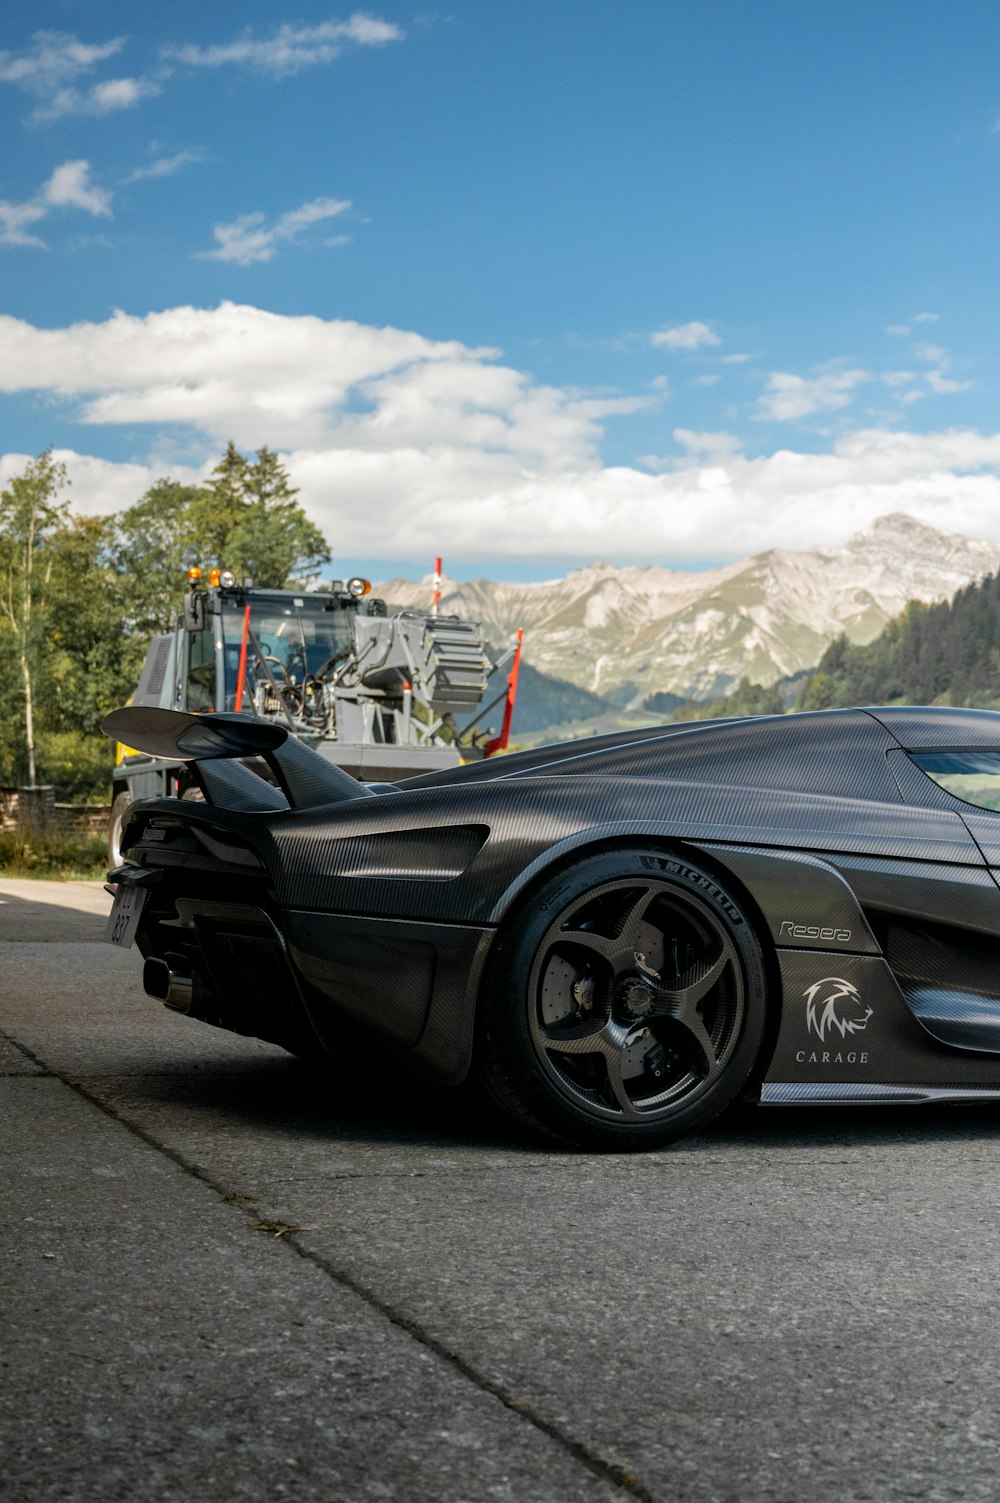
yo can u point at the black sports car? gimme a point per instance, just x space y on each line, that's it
617 937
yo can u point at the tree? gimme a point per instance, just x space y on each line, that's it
32 516
247 519
745 699
946 653
153 544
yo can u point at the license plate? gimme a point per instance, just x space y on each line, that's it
125 914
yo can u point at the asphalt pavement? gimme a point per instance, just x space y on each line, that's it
227 1276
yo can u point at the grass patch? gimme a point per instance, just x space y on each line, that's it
25 852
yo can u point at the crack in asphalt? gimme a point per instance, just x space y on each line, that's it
608 1471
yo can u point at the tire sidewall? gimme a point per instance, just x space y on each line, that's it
504 1039
119 808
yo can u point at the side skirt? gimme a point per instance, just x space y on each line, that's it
818 1093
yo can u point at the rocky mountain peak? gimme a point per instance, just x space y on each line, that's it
631 632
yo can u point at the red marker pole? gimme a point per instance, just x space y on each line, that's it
436 582
499 743
241 671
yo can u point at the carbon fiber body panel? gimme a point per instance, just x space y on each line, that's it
791 1093
383 977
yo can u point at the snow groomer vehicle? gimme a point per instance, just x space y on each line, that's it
373 691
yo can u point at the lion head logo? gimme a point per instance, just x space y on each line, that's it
834 1004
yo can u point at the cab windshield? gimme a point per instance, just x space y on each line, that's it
298 639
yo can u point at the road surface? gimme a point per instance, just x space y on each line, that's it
228 1277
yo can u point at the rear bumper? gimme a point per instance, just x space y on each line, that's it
307 980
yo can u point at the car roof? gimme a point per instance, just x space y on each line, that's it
839 753
929 727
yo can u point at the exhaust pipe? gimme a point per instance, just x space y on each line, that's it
169 987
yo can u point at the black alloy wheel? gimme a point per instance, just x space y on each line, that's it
625 1006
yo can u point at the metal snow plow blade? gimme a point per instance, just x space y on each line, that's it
305 779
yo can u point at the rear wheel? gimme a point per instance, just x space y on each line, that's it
624 1006
120 807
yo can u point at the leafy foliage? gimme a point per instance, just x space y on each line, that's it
247 519
28 853
80 598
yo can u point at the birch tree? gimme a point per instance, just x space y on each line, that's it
32 515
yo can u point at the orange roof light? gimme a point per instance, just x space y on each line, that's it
193 574
213 577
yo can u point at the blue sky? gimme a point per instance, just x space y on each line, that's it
526 284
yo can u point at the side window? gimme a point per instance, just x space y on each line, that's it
201 671
972 776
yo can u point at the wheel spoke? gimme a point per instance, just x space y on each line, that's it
600 1036
606 948
695 983
617 1082
612 947
680 1003
696 1031
629 936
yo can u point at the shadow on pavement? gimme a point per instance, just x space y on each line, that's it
43 912
287 1096
345 1104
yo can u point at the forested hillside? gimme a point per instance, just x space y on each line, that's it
931 654
745 699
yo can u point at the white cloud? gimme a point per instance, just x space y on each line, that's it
932 353
291 48
897 378
736 359
49 68
99 486
304 381
398 441
943 385
14 222
54 57
100 99
250 238
900 331
383 504
164 166
715 445
693 336
69 187
789 396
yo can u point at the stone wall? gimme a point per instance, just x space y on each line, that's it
38 807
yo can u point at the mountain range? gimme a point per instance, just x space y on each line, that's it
622 634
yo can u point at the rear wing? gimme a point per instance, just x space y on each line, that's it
305 779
